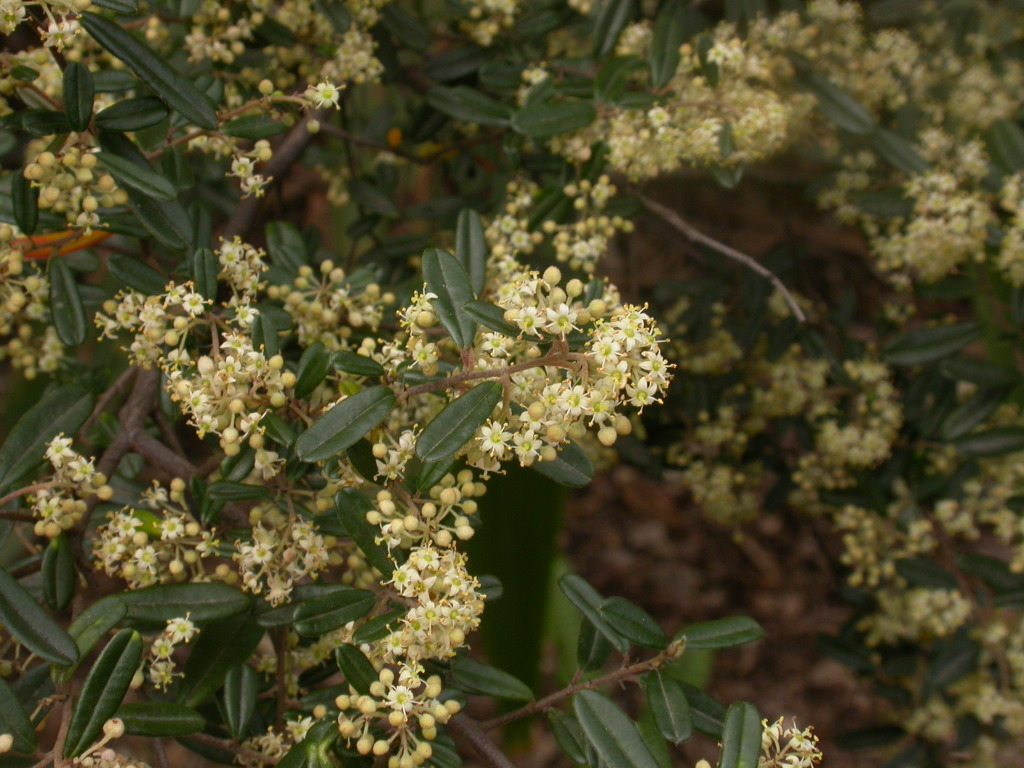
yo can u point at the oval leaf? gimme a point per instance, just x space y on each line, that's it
454 426
204 602
571 467
241 685
484 680
66 306
313 367
471 248
14 720
358 670
446 278
356 364
541 121
58 573
724 633
33 627
134 176
329 612
633 622
926 345
613 735
159 719
79 90
588 601
131 114
89 627
669 707
222 646
991 442
741 737
344 424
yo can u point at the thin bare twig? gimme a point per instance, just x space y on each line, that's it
696 236
113 390
468 729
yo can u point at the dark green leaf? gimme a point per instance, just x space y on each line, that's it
103 690
241 684
358 671
66 306
611 20
484 680
352 507
454 426
896 150
170 86
405 27
203 602
741 737
724 633
329 612
222 646
669 707
993 571
89 627
921 572
123 7
25 202
166 221
953 660
445 277
991 442
1005 143
159 718
432 472
44 122
541 121
979 372
131 114
78 94
592 648
59 574
313 367
614 736
253 127
378 627
344 424
370 196
490 316
137 275
225 491
356 364
62 410
668 35
567 732
14 720
205 268
468 105
571 467
471 248
285 246
973 412
837 105
633 622
926 345
133 176
588 601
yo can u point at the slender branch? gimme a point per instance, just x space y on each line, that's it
248 754
696 236
65 722
541 705
286 154
161 753
552 358
23 492
113 391
468 729
161 456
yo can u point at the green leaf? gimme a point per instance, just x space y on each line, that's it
973 412
405 27
922 572
44 122
484 680
313 367
926 345
226 491
611 20
241 684
490 316
741 738
133 176
588 601
571 467
89 627
446 277
378 627
170 86
468 105
667 36
541 121
166 221
613 735
132 114
329 612
14 720
708 714
356 364
25 203
345 424
205 268
137 275
569 735
432 472
669 706
724 633
123 7
454 426
896 150
204 602
159 719
990 442
837 105
633 622
370 196
592 648
979 372
285 246
471 248
103 690
358 671
59 574
351 507
66 306
253 127
63 410
1005 143
222 646
78 93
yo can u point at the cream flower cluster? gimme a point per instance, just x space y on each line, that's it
58 26
278 554
162 668
487 18
59 503
24 306
69 183
785 746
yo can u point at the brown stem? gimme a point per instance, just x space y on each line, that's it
468 729
552 358
696 236
541 705
161 456
65 721
248 754
113 391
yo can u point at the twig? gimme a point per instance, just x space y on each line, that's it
248 754
468 729
113 390
286 154
547 702
161 456
65 722
161 753
696 236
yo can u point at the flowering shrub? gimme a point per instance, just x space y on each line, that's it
234 513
